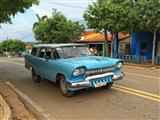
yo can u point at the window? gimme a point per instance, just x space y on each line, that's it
34 51
55 54
41 52
144 46
73 51
48 53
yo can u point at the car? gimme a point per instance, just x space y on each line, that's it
73 67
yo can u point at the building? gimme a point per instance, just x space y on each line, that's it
97 40
142 45
136 47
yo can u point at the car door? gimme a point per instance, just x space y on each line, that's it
50 66
41 62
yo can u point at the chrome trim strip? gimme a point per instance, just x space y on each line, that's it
100 70
86 81
99 76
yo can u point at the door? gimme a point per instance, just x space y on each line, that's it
50 68
41 62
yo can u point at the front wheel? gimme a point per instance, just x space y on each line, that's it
108 86
63 87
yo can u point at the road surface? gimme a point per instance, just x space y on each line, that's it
137 96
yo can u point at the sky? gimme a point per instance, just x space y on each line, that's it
21 27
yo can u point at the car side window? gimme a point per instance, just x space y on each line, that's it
34 51
48 54
55 54
41 52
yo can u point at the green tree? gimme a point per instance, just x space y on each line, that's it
125 16
36 24
57 29
103 14
149 14
9 8
13 45
39 19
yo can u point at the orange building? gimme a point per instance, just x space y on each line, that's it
97 40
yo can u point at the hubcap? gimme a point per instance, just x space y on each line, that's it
63 86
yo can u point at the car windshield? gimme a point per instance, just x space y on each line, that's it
73 51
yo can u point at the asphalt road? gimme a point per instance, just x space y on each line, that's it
137 96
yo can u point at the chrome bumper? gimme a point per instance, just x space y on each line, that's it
87 79
80 84
118 77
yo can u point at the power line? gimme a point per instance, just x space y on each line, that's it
66 5
69 1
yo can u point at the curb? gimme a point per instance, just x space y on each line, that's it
142 66
33 106
7 114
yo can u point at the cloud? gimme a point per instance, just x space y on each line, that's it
21 27
40 12
22 23
68 1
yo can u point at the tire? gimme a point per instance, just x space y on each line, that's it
63 85
35 78
108 86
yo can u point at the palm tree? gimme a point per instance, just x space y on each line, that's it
39 19
37 23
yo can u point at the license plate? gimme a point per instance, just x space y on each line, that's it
100 84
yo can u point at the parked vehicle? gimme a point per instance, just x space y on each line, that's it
73 66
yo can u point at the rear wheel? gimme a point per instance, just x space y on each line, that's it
108 86
63 87
35 78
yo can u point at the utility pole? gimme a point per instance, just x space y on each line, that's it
153 48
1 32
1 37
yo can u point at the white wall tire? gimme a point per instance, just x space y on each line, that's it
63 85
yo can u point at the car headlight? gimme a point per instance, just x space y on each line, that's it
119 65
78 71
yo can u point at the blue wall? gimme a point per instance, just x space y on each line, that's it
138 38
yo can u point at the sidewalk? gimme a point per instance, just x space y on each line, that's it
15 105
5 111
142 65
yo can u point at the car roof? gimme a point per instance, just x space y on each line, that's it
58 45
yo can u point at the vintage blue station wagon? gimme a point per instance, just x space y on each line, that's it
73 66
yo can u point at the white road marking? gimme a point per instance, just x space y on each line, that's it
149 76
12 62
46 115
136 81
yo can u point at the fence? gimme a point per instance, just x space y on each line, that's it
138 59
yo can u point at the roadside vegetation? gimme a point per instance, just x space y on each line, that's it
12 46
9 8
57 29
125 16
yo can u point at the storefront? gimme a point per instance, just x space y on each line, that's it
96 42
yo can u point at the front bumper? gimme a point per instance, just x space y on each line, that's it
87 80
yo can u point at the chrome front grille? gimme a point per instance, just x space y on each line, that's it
99 71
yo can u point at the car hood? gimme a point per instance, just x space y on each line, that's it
91 62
